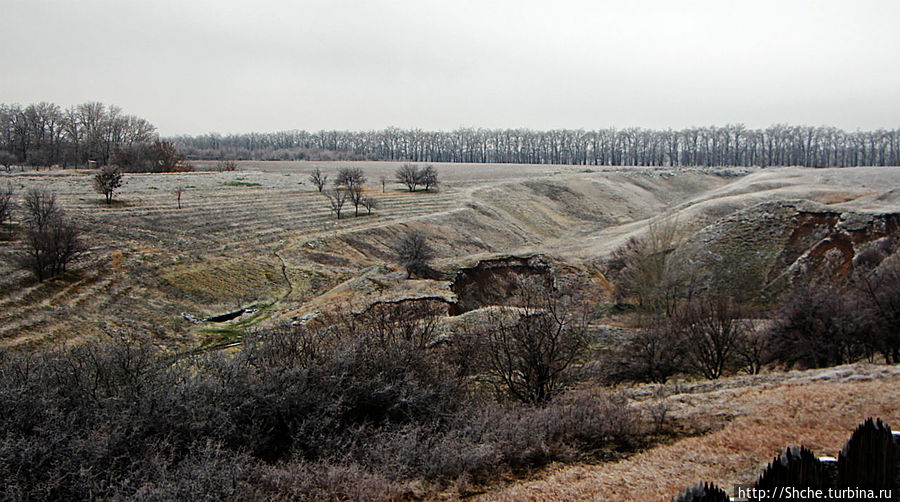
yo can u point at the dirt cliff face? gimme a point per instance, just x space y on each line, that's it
792 239
495 281
832 240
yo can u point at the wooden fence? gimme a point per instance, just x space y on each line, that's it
866 465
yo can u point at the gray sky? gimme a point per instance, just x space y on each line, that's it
192 66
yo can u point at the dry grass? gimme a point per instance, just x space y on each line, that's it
818 409
151 261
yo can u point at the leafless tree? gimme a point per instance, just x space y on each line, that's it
355 192
318 179
370 203
409 175
7 204
382 179
107 180
51 241
413 251
531 348
818 325
41 208
878 288
647 270
337 197
177 192
350 176
428 177
654 353
712 328
7 160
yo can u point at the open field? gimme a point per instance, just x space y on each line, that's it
262 236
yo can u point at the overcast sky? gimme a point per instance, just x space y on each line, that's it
191 66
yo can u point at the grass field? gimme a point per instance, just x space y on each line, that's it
264 235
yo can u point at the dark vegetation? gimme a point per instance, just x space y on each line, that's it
412 176
155 157
413 252
51 242
730 145
44 134
709 321
365 407
107 180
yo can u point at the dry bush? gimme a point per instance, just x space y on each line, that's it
655 353
226 166
819 325
531 348
646 270
712 328
107 180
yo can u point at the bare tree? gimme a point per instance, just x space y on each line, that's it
428 177
7 160
355 192
336 199
51 241
409 175
177 192
7 204
370 203
413 251
107 180
41 208
654 353
647 271
712 328
382 179
532 348
350 176
318 179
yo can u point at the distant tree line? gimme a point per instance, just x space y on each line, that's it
730 145
45 134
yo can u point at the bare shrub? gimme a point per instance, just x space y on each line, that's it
226 166
647 271
654 353
107 180
712 328
412 322
818 325
531 348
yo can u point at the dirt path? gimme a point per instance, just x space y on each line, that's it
819 410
